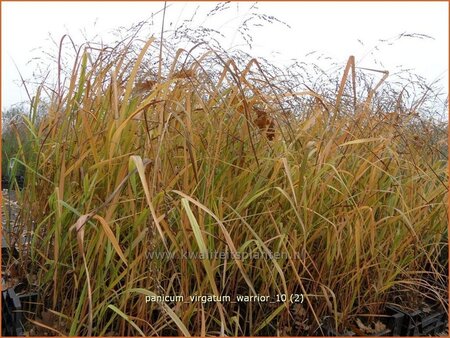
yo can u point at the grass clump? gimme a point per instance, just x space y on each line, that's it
210 178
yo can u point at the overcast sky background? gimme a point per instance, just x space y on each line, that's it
332 29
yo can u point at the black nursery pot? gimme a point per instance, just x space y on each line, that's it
14 303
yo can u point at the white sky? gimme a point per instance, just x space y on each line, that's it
330 28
